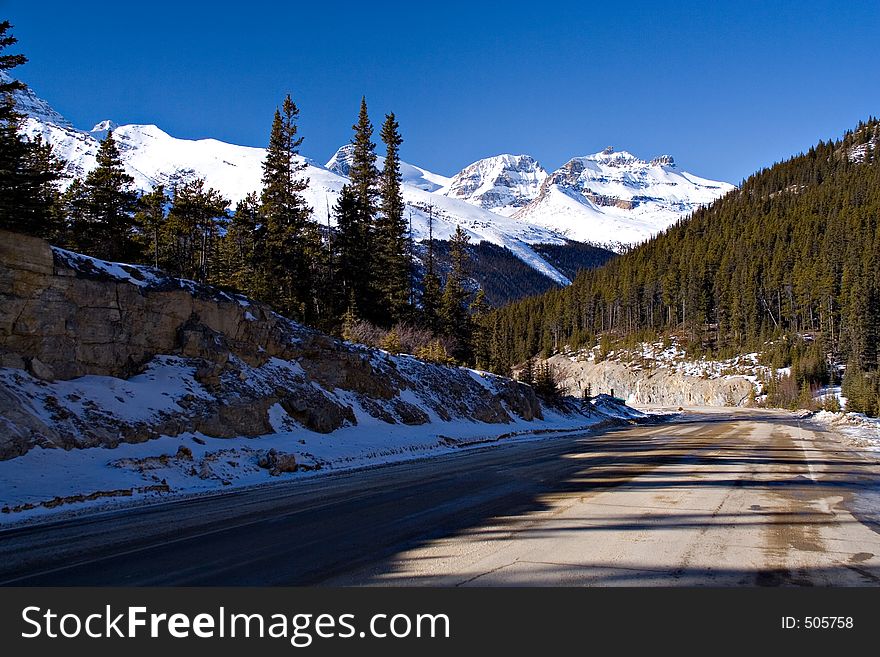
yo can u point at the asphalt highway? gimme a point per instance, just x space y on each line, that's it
723 498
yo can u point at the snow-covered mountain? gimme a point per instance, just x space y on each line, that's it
412 175
614 197
152 156
508 200
502 184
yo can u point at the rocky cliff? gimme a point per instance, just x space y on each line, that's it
94 353
649 386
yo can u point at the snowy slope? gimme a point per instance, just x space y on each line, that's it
152 156
412 175
502 184
508 200
614 197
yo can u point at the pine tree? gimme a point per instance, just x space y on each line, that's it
364 179
545 382
292 242
392 266
29 170
192 229
363 173
103 215
480 334
150 219
7 63
352 262
242 244
456 320
527 373
431 291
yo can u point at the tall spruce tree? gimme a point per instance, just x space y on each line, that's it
150 219
431 290
454 313
292 241
103 223
364 179
392 264
351 261
29 169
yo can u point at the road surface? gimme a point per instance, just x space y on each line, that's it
722 498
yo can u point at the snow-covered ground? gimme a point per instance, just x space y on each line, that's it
858 428
671 356
614 197
46 482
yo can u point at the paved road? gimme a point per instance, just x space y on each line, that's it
745 498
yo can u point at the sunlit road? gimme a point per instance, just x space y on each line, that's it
725 498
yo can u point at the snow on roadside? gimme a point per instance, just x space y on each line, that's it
863 431
46 482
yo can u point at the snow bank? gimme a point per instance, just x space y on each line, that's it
46 482
862 431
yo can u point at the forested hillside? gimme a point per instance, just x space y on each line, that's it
793 253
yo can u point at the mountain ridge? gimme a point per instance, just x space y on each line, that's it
497 200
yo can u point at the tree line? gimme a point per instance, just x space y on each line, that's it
789 259
355 279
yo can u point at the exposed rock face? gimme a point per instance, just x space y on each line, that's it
616 197
656 387
501 184
226 362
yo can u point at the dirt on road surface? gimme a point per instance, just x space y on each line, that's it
722 498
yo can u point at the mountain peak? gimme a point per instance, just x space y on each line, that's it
611 157
101 129
502 183
340 162
615 197
663 160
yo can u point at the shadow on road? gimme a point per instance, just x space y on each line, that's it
368 521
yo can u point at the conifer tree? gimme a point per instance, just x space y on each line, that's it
364 179
454 313
545 382
527 373
103 214
292 242
242 246
480 334
392 266
352 261
192 229
29 169
431 291
363 173
150 219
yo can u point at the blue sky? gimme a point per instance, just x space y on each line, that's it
724 87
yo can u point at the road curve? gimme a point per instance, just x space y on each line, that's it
720 499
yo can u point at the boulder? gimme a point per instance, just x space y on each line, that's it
277 462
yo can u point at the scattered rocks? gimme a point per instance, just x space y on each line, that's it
317 411
277 462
